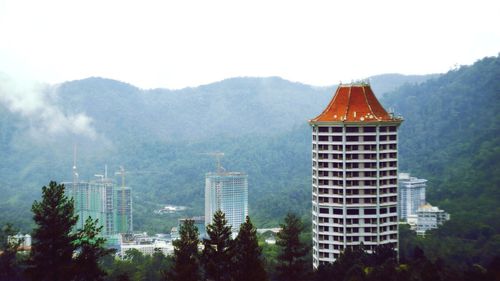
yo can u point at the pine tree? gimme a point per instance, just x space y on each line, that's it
291 263
218 249
248 263
91 249
52 240
186 258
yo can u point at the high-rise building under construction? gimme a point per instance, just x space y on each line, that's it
228 192
102 199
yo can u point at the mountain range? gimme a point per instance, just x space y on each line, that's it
450 136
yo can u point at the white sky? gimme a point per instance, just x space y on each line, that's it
175 44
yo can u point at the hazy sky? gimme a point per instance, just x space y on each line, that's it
175 44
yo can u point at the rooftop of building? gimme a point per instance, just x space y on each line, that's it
407 178
356 103
429 208
225 174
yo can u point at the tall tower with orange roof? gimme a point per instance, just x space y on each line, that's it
354 174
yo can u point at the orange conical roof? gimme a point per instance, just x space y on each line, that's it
354 103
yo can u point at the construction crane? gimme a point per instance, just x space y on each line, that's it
218 156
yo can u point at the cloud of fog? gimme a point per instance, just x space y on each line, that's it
35 102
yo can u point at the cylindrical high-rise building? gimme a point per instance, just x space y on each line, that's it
354 174
228 192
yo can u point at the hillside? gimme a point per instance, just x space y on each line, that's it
451 136
261 124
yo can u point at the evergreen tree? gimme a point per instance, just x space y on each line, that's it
218 249
186 258
52 241
248 263
291 263
91 250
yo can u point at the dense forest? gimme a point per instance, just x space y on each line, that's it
81 255
450 136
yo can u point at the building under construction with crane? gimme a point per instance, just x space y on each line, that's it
228 192
104 200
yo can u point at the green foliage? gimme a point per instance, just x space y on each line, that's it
52 244
355 264
137 267
291 263
217 255
10 265
91 250
186 257
451 136
248 261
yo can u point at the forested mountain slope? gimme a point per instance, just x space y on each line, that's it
451 136
160 136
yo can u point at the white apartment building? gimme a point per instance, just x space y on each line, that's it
411 195
354 174
228 192
165 247
430 217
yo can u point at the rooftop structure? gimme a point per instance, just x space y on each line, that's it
354 174
354 103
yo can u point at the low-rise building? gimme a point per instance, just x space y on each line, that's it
145 244
430 217
148 249
23 242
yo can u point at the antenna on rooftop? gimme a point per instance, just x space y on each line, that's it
75 173
218 156
121 173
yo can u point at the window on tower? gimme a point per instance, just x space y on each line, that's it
352 138
369 138
323 210
352 211
336 138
